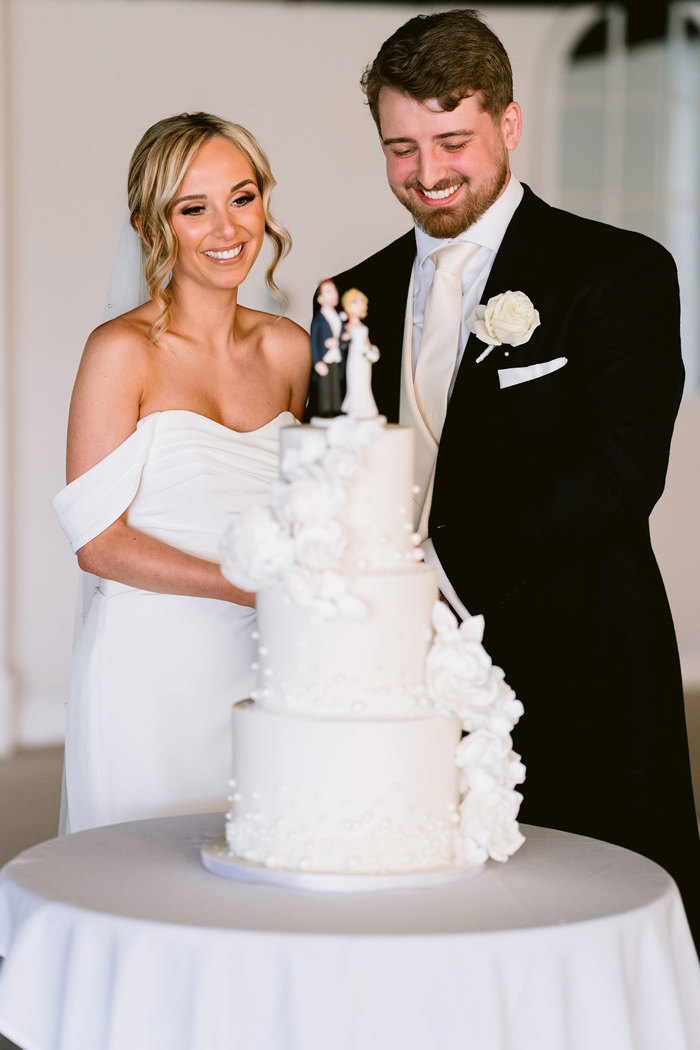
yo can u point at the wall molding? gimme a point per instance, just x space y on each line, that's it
8 698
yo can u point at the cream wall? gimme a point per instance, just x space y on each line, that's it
83 79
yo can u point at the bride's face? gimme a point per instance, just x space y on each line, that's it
357 308
218 217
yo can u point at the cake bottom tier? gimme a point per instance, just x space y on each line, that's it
339 795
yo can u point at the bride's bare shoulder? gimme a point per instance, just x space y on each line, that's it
277 333
129 331
118 357
115 370
123 341
287 350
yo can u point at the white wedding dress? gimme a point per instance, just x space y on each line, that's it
154 676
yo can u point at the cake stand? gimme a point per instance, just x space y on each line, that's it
217 860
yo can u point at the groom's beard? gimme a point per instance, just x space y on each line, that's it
447 223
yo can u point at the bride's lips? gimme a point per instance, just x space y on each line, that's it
227 255
438 198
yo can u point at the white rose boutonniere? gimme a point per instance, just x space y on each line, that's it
507 318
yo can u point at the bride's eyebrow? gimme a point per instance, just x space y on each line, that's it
203 196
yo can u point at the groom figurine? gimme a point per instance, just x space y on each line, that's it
536 354
327 353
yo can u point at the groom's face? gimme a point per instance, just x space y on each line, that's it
446 167
327 294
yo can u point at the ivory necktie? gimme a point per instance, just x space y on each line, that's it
440 340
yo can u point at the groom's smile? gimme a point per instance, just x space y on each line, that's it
438 196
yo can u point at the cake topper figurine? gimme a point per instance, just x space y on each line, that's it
328 351
358 401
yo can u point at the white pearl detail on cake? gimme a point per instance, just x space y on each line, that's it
366 682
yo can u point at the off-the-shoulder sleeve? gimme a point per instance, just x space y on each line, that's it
99 496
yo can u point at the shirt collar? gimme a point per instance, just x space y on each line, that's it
488 231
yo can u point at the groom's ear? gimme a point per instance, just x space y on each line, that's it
511 125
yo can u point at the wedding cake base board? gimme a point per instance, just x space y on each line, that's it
217 860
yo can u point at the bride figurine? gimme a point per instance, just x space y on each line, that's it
359 401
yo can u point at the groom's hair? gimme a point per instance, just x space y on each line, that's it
448 56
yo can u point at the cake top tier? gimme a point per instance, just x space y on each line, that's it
343 506
360 473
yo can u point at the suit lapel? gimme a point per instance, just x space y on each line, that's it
515 257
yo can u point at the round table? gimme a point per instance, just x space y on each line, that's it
118 939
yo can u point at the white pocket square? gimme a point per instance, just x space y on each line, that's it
513 376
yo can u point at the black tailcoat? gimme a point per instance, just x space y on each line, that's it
540 512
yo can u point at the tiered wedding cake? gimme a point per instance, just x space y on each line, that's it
351 756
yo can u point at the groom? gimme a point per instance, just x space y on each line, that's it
543 426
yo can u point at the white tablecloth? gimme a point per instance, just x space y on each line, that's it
118 939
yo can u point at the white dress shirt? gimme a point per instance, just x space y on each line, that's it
487 232
334 320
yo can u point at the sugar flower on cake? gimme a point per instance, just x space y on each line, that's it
332 595
319 545
256 550
460 677
309 499
299 540
489 826
484 750
462 680
343 464
296 460
486 753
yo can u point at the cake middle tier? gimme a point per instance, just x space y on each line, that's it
368 666
316 794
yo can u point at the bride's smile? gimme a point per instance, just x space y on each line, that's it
226 254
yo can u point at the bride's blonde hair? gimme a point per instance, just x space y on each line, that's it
156 171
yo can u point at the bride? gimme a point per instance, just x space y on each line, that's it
173 430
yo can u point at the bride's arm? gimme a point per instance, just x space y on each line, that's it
104 412
138 560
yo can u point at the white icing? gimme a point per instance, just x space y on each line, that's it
369 661
340 508
360 796
352 757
